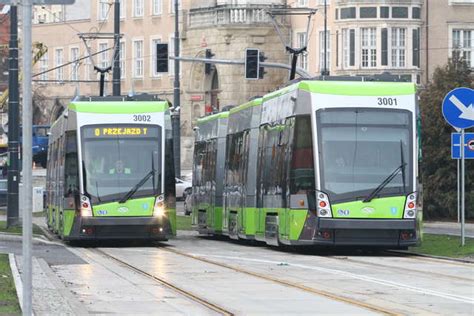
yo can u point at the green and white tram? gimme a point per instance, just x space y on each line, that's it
110 171
208 172
328 163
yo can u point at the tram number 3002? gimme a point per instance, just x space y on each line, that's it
387 101
142 118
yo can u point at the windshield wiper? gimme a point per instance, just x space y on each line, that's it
137 186
385 182
97 189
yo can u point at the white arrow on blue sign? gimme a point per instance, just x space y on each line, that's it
468 145
458 108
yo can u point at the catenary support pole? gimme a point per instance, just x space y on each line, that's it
463 197
116 71
13 123
26 198
176 97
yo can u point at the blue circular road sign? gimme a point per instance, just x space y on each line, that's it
458 108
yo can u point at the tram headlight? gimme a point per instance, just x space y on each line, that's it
410 206
323 205
86 208
159 208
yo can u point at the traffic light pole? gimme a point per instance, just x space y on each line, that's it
13 128
303 73
116 70
176 97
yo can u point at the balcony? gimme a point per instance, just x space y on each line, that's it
230 15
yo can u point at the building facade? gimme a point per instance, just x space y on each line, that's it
363 37
224 27
448 30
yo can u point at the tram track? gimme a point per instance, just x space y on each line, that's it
193 297
286 283
397 268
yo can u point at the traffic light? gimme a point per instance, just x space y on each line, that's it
161 58
261 69
209 55
252 63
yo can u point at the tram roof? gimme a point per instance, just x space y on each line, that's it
212 117
252 103
140 103
348 88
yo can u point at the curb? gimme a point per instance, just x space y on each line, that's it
16 279
407 253
36 238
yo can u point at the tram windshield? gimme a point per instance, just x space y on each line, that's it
117 158
360 148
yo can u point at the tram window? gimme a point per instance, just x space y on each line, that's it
273 165
302 166
71 172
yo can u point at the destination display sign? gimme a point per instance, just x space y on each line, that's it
129 131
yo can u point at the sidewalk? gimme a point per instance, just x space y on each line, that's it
448 228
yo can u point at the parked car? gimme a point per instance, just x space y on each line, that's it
3 192
188 201
181 186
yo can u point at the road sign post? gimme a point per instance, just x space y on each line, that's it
458 110
26 197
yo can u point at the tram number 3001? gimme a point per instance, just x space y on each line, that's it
387 101
142 118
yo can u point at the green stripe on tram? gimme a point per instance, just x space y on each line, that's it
212 117
247 105
381 208
358 88
119 107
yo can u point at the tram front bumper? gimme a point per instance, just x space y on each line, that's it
386 233
93 228
367 232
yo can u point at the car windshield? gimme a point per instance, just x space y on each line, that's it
115 158
360 148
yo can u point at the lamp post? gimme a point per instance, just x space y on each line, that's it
175 117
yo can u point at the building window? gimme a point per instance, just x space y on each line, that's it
348 13
337 14
321 2
44 66
75 64
384 12
463 45
302 3
138 59
59 56
348 47
301 41
462 2
122 60
87 68
104 56
384 47
104 8
172 3
416 47
415 13
400 12
157 7
368 12
123 9
321 50
138 8
153 71
398 47
369 47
